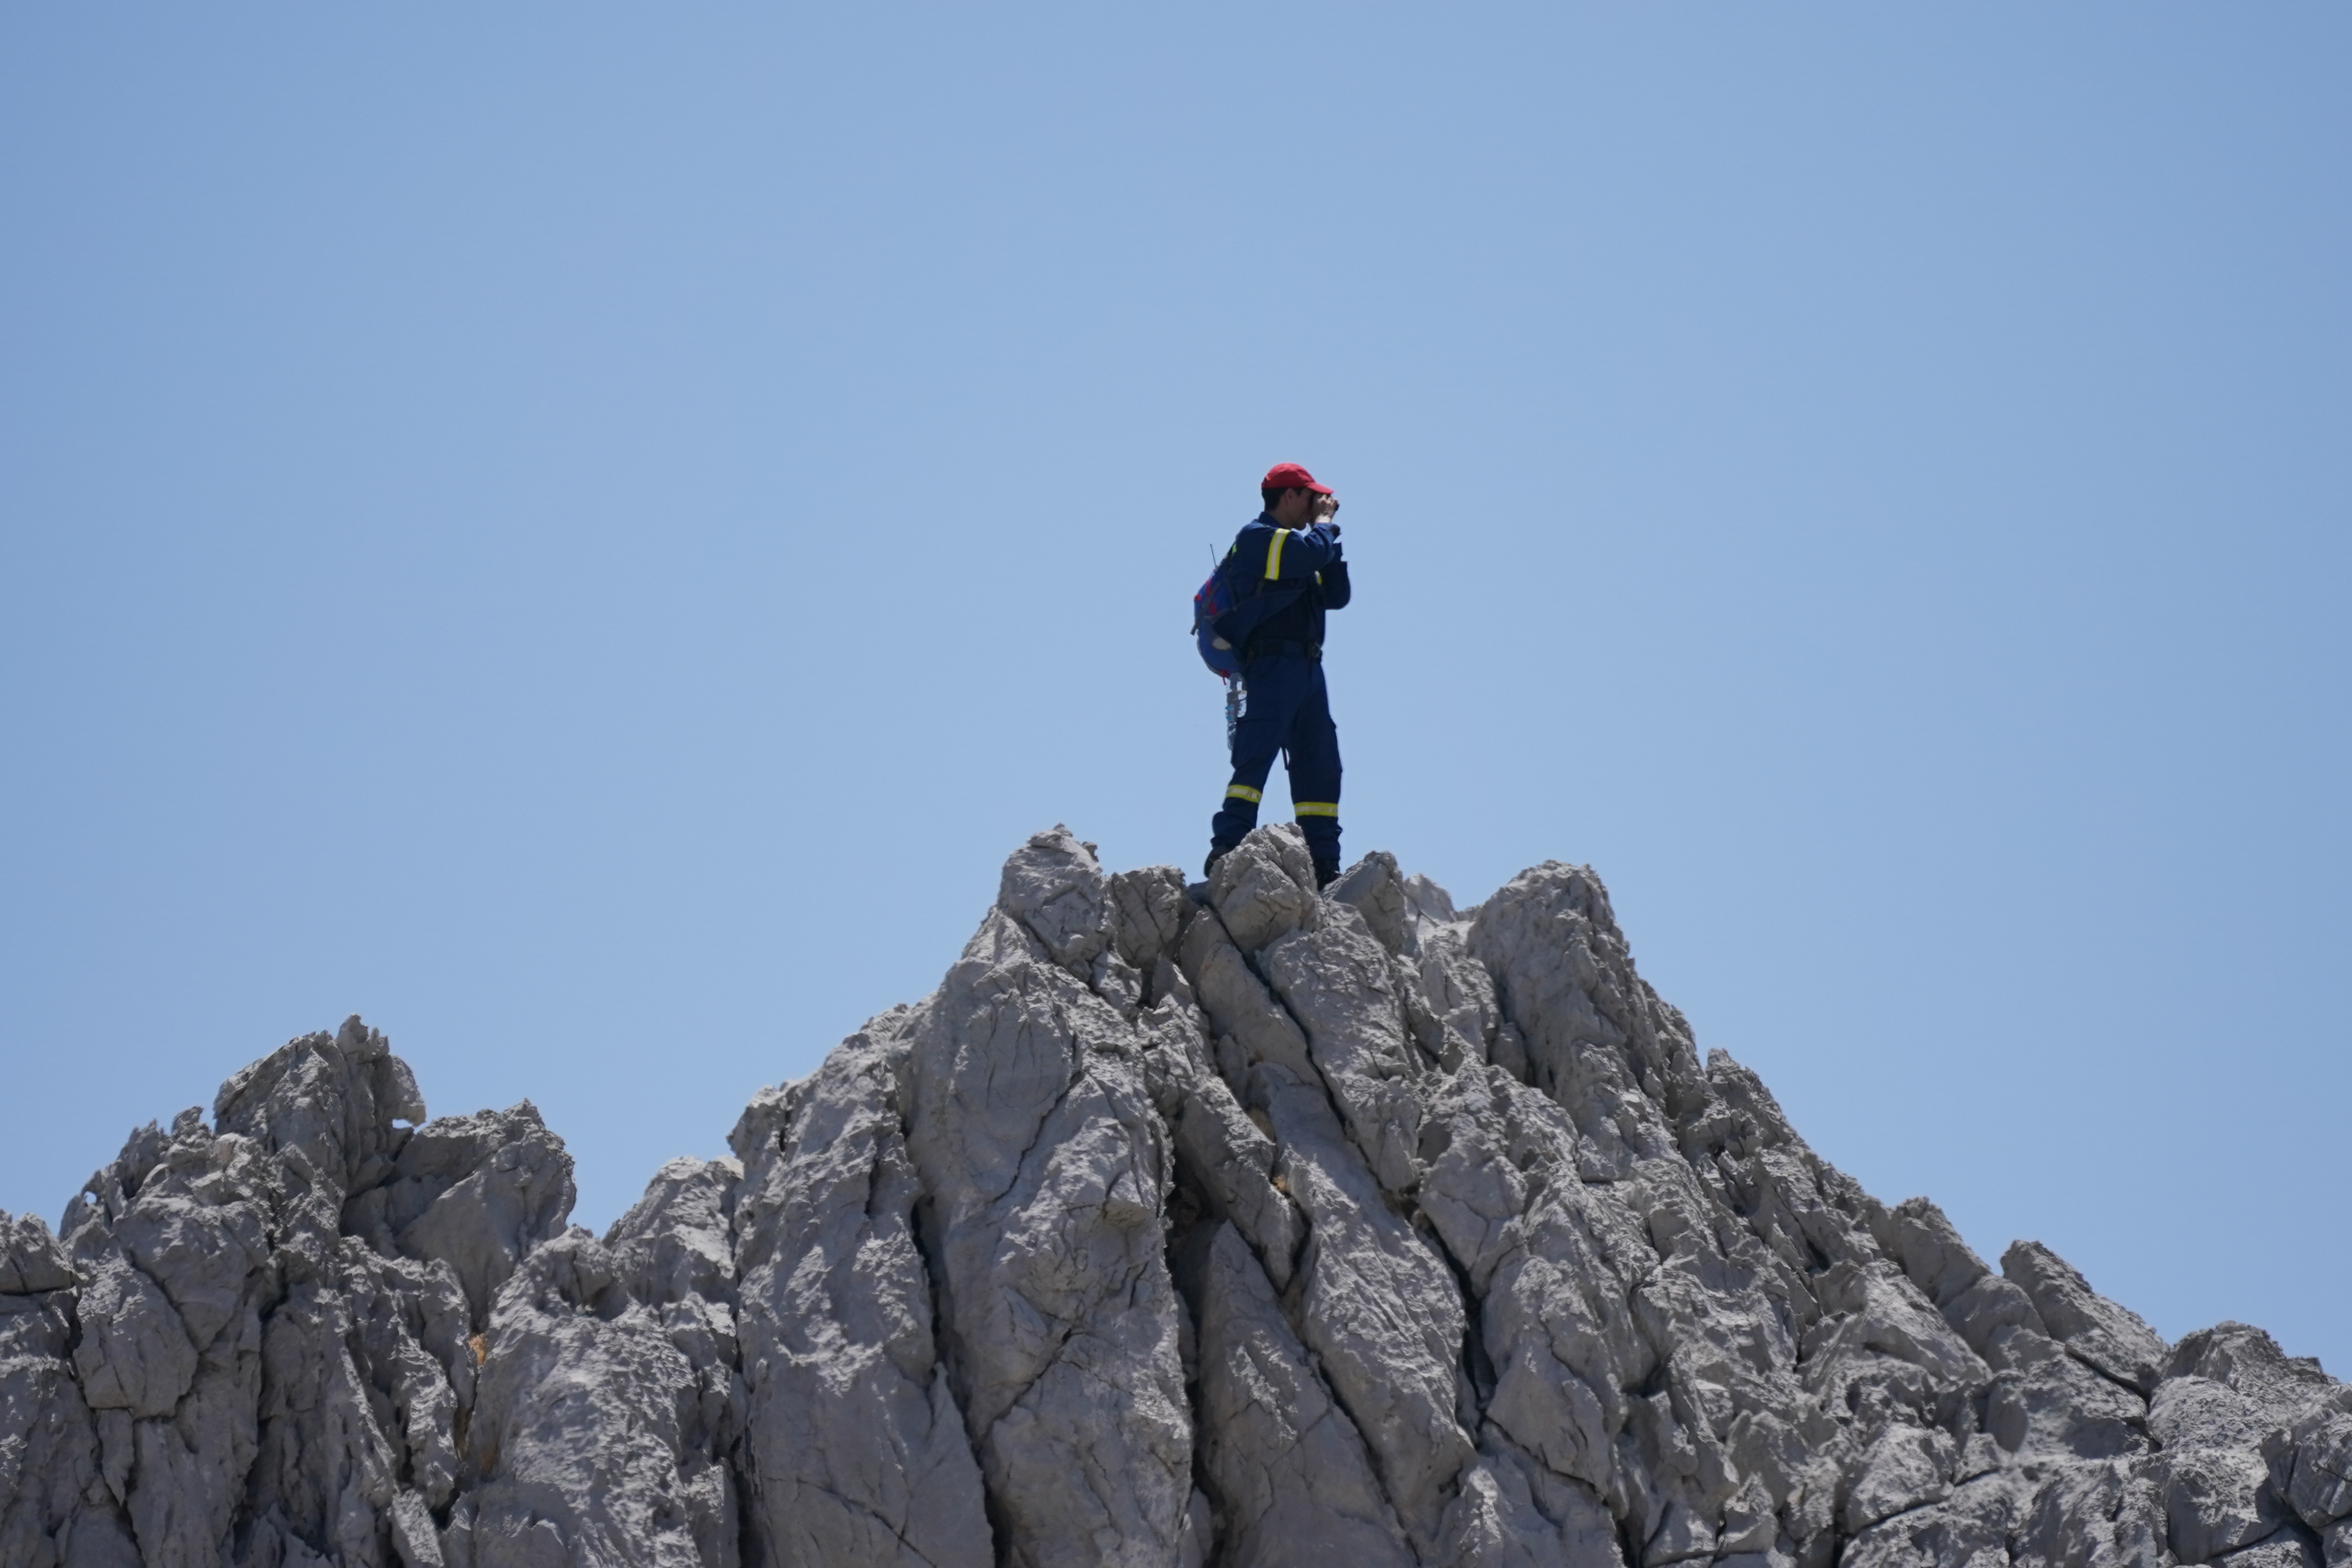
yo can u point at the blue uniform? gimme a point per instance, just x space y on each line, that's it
1285 707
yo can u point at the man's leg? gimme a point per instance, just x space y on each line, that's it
1314 745
1272 691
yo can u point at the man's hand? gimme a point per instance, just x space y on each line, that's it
1326 508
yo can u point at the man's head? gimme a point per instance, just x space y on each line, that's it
1293 499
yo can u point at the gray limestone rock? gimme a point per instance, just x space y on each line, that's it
48 1437
409 1322
2211 1470
31 1261
1458 990
475 1192
1916 1234
2250 1361
1264 888
1147 915
174 1245
2110 1338
1286 1468
1375 889
2046 1403
1593 1035
1238 1005
324 1462
1378 1305
1227 1224
2319 1486
1225 1159
2284 1550
343 1103
590 1431
1337 981
854 1449
1989 1306
266 1385
1055 892
1045 1169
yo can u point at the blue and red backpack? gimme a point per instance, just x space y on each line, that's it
1225 612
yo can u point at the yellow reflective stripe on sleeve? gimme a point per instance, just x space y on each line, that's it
1274 554
1317 808
1243 792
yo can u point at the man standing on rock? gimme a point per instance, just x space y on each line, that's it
1288 560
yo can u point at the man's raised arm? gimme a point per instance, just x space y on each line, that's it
1294 553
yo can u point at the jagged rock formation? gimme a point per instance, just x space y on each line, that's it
1232 1226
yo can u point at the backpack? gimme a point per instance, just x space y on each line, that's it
1225 612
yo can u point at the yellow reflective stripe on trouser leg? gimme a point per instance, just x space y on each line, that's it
1243 792
1273 553
1316 808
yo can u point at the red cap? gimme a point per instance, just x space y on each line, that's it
1291 477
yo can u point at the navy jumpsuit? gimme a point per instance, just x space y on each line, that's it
1284 708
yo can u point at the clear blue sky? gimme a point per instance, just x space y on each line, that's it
585 534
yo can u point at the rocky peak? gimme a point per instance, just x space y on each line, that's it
1224 1224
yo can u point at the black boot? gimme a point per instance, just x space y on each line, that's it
1216 852
1326 873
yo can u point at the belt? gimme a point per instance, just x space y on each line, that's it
1302 649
